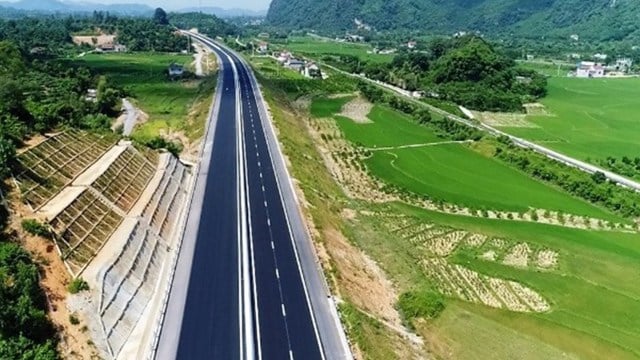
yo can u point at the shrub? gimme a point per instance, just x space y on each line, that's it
78 285
425 303
34 227
73 319
159 142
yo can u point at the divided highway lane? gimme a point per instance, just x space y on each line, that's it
287 327
246 296
202 316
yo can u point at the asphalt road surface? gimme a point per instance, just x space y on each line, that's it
240 291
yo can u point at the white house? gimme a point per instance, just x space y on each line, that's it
176 70
263 47
294 64
311 70
623 64
589 69
600 57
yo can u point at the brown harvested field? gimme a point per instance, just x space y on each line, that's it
94 40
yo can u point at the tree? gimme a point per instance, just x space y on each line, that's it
160 17
7 156
598 177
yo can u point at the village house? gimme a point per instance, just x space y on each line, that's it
623 65
600 57
311 70
263 47
589 69
176 70
412 45
354 38
294 64
283 57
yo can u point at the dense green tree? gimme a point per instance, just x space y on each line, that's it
160 17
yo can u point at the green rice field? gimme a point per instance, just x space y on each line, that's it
595 306
588 118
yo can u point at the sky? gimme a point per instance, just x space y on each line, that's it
181 4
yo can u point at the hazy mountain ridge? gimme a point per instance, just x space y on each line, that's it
57 6
224 13
597 19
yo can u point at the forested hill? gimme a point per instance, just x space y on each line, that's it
596 19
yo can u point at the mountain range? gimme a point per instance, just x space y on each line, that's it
57 6
595 19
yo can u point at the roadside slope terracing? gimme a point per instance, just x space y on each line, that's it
116 224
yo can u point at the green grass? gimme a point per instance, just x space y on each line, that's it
548 68
326 107
454 173
595 302
473 336
389 128
143 75
593 292
309 45
592 118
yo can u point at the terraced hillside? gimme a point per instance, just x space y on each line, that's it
56 162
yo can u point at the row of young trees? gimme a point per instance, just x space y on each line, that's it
466 70
593 188
443 127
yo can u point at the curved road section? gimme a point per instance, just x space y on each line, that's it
247 284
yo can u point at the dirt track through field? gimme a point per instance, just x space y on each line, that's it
410 146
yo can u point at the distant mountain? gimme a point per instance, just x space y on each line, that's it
595 19
225 13
56 6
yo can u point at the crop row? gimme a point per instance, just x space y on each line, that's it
51 165
125 179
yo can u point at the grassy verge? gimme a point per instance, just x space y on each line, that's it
172 106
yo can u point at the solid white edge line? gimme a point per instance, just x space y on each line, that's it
251 247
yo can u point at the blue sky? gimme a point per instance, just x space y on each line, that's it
179 4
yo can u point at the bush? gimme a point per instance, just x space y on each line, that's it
73 319
159 142
425 303
78 285
34 227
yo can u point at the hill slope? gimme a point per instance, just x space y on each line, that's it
57 6
597 19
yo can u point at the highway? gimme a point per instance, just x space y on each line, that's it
247 284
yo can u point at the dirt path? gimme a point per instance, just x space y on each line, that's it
131 118
419 145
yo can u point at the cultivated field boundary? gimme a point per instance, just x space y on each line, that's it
551 154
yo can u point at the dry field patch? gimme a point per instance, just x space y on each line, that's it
357 110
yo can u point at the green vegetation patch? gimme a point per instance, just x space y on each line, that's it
313 46
590 118
326 107
144 77
454 173
426 303
389 128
